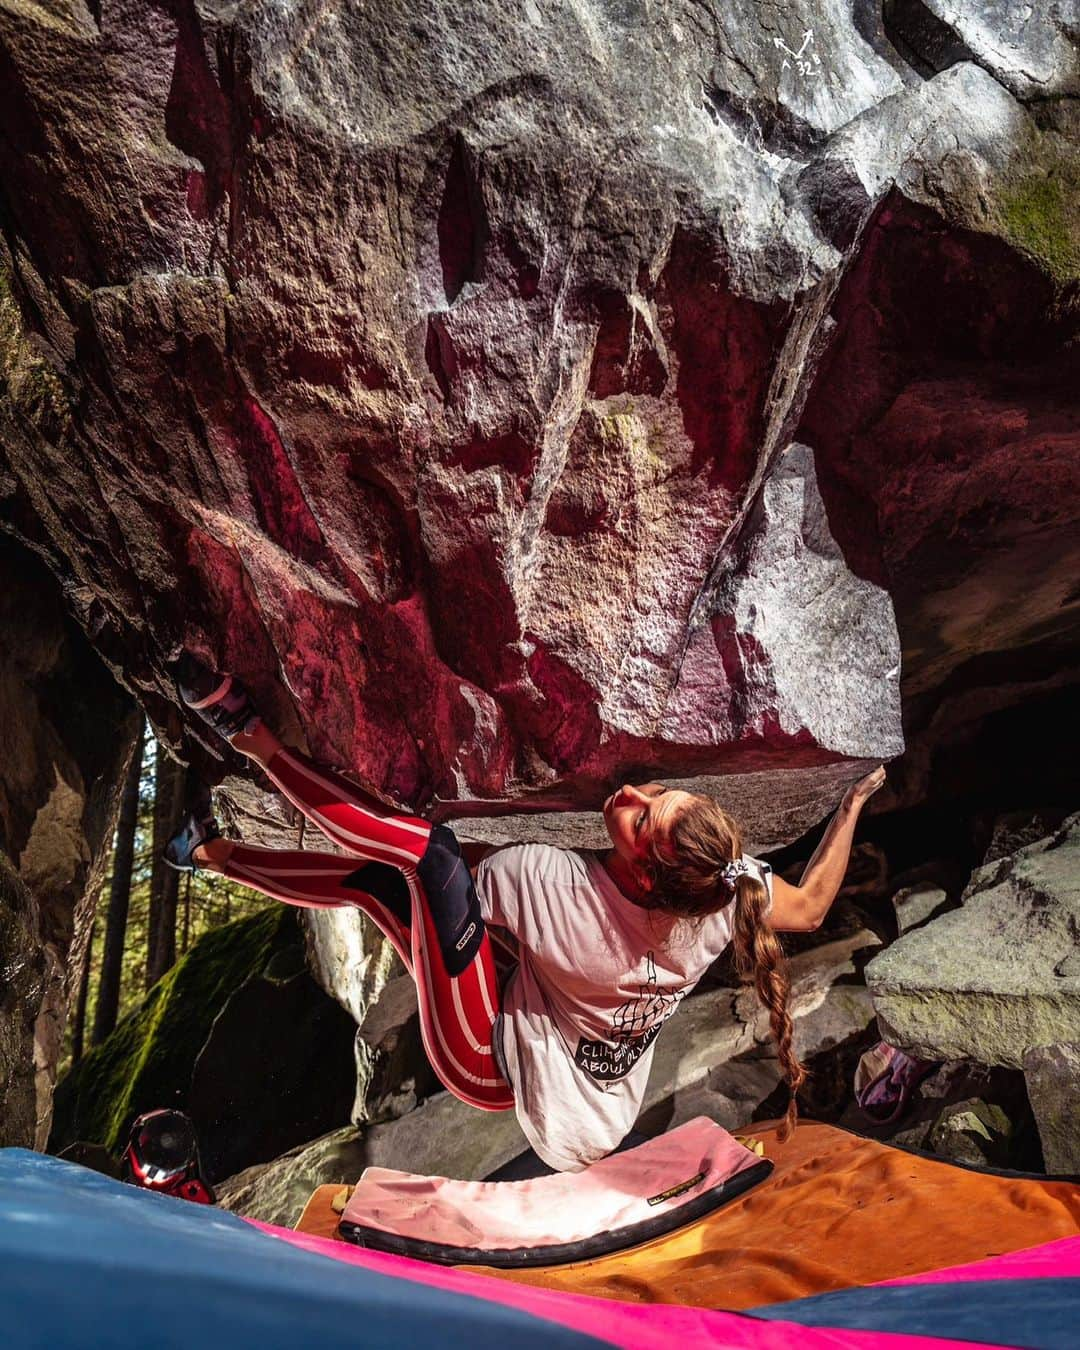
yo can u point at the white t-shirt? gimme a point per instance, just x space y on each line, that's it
597 978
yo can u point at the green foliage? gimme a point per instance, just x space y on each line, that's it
149 1058
206 902
1040 213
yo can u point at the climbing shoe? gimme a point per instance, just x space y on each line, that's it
220 700
198 827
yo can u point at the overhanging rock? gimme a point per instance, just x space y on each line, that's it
427 374
793 648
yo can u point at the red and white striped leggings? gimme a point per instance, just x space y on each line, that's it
456 980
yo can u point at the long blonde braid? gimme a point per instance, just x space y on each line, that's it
688 879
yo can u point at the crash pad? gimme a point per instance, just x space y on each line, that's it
87 1261
623 1200
839 1210
1029 1299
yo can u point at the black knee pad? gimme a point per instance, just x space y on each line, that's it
387 885
452 898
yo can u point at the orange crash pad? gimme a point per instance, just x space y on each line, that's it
838 1211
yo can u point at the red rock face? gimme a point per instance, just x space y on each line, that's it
435 385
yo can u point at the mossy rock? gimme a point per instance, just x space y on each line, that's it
27 382
148 1059
1036 206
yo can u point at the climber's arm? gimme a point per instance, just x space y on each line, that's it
801 908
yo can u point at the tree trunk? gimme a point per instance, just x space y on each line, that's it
78 1030
170 783
186 941
108 999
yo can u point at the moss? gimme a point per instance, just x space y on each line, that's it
148 1059
1040 214
27 381
636 438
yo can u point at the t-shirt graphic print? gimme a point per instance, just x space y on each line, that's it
634 1026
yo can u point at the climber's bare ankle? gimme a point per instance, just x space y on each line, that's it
258 743
213 855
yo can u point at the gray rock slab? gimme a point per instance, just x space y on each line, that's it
974 1132
997 976
730 1095
1052 1075
442 1137
914 905
772 807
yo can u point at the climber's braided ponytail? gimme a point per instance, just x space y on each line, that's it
693 878
760 957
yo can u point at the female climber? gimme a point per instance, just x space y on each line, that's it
543 975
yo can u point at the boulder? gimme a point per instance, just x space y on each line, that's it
67 730
718 1057
731 1095
275 1071
276 1192
1052 1075
393 1074
773 807
1031 51
348 956
149 1058
828 1004
1011 831
438 377
997 976
973 1132
915 906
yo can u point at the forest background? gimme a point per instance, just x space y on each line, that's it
148 915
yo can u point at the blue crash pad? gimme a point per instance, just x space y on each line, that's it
89 1262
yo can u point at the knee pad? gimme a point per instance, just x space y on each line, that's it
452 899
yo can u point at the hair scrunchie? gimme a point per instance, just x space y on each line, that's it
733 871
